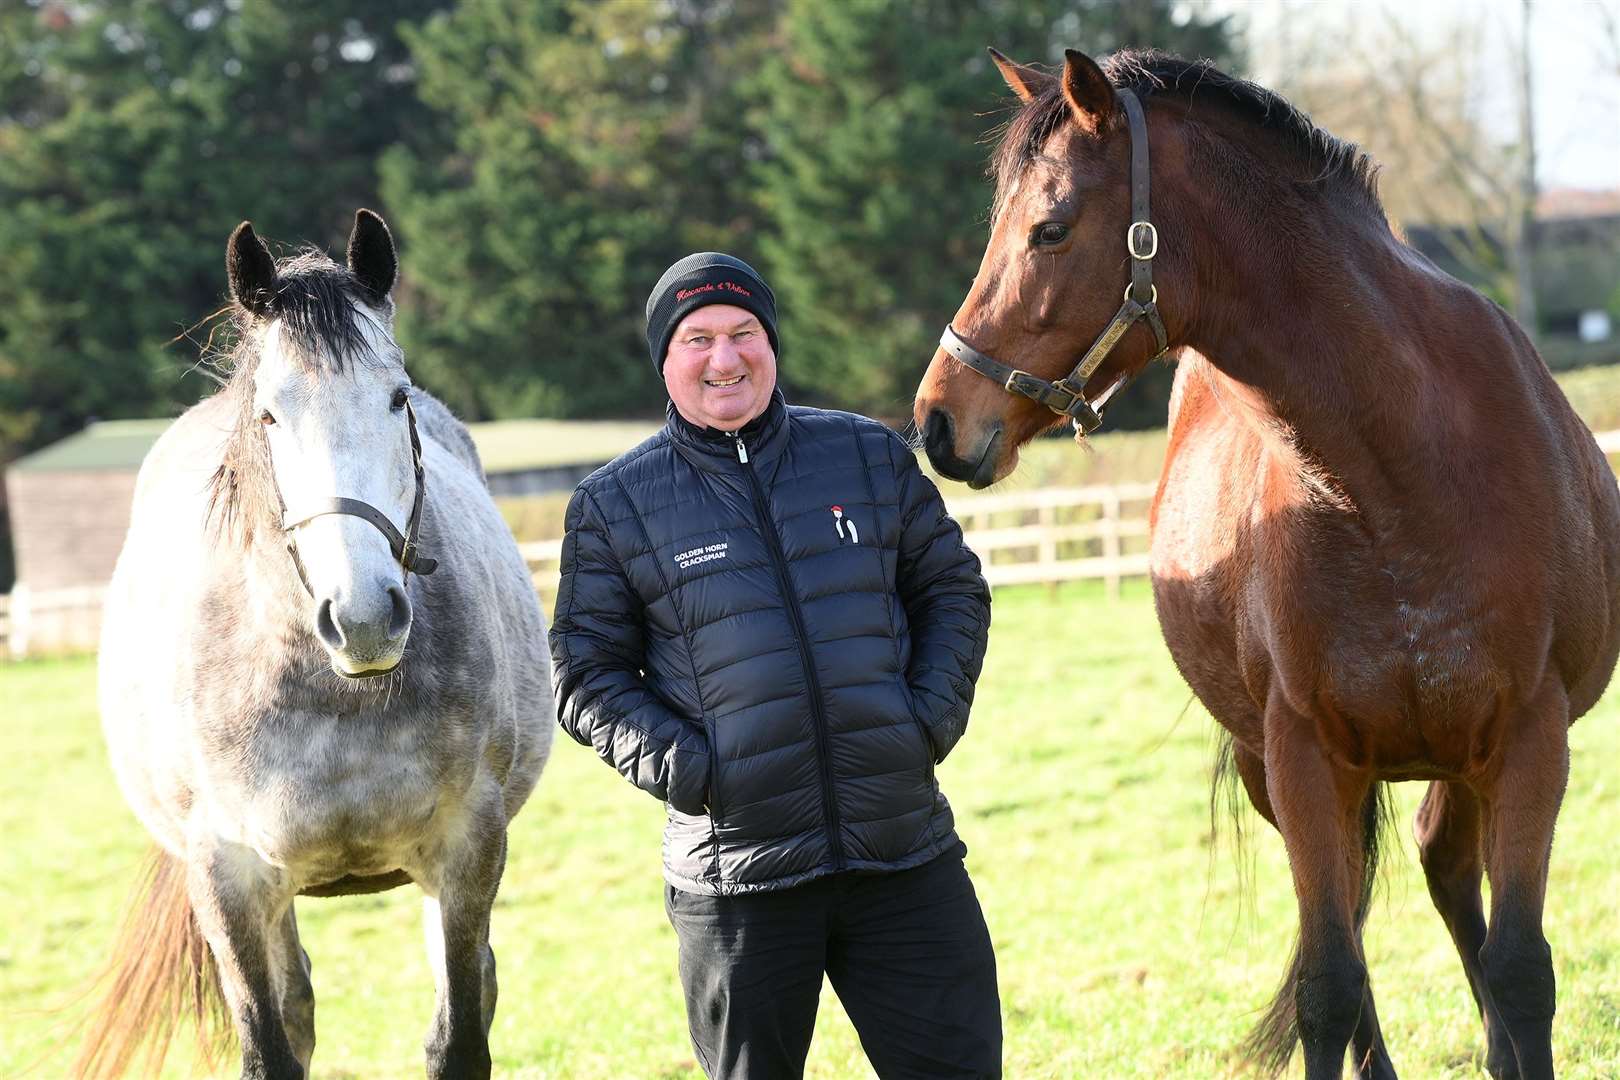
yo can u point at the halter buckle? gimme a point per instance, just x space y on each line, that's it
1153 293
1131 245
1013 377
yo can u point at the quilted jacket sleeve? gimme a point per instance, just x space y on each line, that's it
947 603
597 658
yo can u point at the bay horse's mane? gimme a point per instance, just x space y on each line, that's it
314 300
1152 73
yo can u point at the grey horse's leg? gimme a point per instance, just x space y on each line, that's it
457 931
235 897
433 932
297 994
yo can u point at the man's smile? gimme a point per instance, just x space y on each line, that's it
721 383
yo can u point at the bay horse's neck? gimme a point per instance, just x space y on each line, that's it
1326 329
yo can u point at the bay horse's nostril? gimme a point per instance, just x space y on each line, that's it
939 435
327 627
400 622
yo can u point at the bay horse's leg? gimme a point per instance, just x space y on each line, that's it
1319 806
456 925
297 993
235 896
1522 799
1450 835
1372 1060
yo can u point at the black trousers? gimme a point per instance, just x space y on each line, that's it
908 954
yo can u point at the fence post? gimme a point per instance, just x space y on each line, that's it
21 617
1110 539
1046 552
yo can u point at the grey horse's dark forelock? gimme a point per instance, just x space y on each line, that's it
315 301
1150 72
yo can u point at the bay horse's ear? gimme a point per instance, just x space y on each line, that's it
1091 96
1023 80
371 254
250 269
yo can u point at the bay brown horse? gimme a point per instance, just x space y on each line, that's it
1384 547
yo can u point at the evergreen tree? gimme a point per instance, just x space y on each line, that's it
543 161
133 137
874 178
587 146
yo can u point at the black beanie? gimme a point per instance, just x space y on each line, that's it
708 277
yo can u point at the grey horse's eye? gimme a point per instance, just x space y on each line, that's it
401 396
266 419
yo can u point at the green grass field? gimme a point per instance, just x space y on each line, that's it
1125 948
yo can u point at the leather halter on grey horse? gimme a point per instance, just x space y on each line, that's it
1066 396
403 546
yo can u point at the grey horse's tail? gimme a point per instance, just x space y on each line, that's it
160 973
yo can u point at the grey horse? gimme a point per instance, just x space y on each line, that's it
323 671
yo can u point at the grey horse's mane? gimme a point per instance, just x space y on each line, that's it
314 299
1150 72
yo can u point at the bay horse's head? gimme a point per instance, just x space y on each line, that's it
325 461
1043 335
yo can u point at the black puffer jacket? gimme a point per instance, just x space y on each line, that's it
779 638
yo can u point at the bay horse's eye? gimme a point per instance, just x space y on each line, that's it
1050 233
400 397
266 419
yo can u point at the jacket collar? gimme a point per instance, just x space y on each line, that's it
710 448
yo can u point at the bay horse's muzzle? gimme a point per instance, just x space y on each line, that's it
978 467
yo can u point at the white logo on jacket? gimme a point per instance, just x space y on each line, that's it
703 554
841 523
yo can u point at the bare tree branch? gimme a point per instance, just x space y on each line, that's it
1411 96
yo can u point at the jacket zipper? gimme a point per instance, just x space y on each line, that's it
774 542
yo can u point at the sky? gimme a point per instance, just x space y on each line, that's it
1575 66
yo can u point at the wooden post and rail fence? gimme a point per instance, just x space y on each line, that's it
1041 536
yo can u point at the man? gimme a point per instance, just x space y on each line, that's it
767 620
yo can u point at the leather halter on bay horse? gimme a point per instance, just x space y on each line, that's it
1066 396
404 547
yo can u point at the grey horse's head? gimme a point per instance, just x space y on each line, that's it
323 414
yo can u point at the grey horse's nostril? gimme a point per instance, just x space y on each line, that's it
327 628
400 621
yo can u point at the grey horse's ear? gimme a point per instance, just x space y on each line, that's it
1091 96
250 269
371 254
1023 80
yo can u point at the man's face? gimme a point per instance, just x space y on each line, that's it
720 368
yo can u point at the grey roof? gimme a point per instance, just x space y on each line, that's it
105 444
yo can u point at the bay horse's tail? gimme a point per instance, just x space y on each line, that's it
1227 801
160 973
1271 1044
